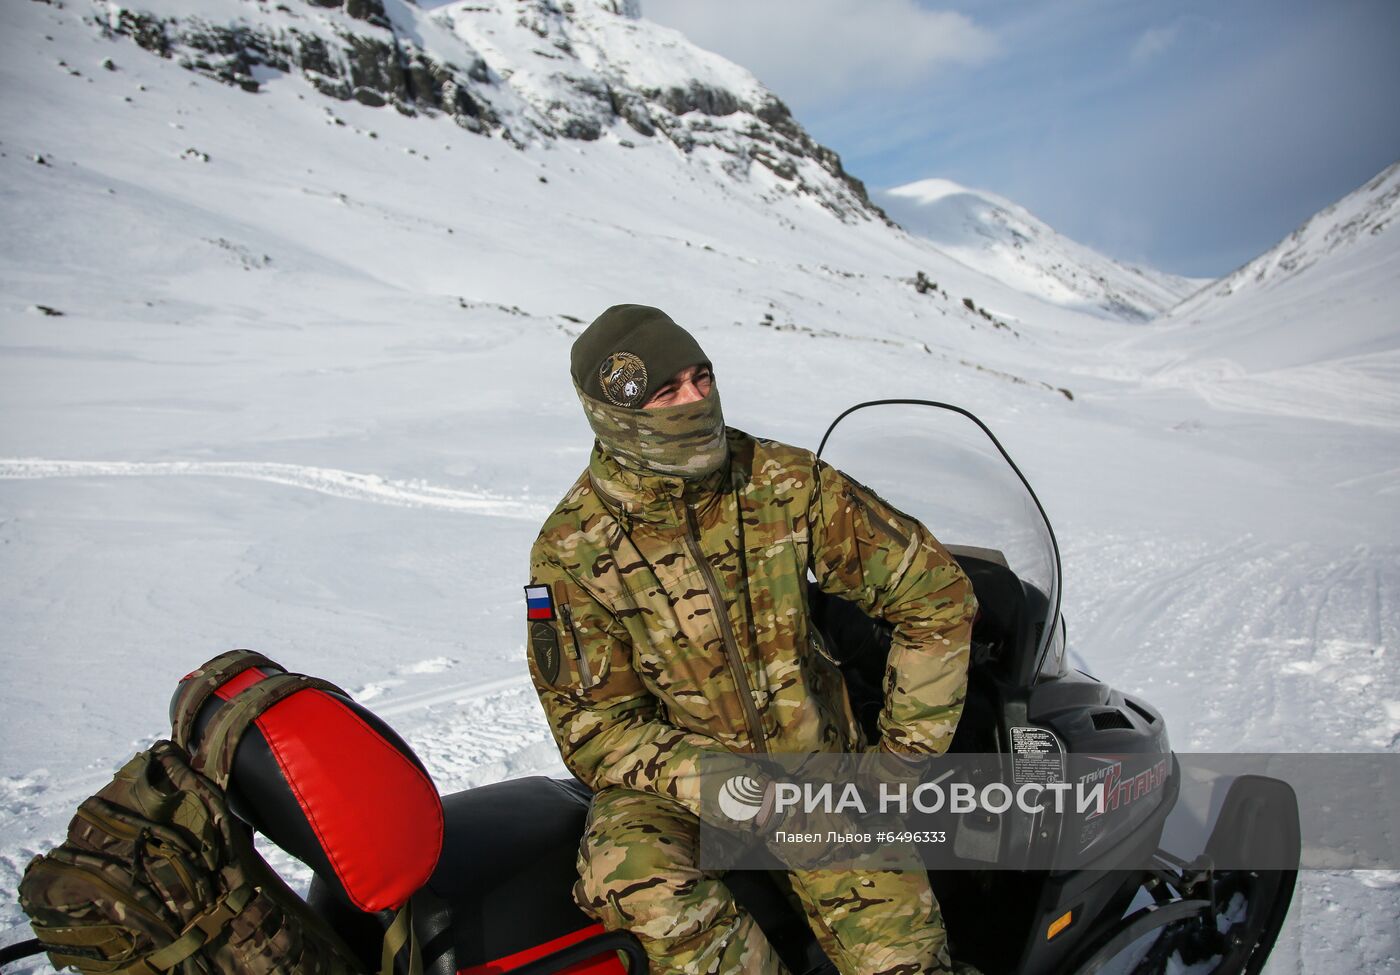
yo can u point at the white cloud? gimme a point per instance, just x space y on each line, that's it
823 50
1153 42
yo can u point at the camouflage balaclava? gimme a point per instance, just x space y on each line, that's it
625 355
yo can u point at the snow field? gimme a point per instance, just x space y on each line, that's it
311 396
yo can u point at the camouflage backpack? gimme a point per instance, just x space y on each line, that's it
159 876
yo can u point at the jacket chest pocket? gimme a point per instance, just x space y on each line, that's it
774 576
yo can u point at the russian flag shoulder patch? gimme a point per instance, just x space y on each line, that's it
539 603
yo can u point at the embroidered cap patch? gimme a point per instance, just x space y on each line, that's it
539 603
623 377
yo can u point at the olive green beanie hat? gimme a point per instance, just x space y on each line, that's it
628 352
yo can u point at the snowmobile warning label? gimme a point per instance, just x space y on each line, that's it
1036 756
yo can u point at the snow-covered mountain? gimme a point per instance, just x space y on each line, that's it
1358 230
1009 243
1344 257
529 128
1310 327
288 368
527 71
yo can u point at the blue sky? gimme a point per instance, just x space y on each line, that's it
1189 135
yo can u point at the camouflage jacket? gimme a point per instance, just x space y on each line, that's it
674 626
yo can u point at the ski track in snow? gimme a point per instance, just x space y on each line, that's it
1360 391
1301 628
1308 636
499 736
322 480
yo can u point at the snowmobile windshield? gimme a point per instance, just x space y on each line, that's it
940 464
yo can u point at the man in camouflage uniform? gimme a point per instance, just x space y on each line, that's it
669 617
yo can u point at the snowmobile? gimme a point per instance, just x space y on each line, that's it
499 860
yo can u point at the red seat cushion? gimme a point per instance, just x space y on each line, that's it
375 813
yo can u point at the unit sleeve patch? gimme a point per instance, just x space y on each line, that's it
544 644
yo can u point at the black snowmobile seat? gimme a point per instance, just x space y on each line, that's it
501 896
502 893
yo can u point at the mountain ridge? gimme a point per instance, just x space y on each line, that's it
1355 221
529 72
540 72
1308 328
1005 240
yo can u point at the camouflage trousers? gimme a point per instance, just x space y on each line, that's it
637 872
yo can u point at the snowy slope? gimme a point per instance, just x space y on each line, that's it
1309 328
1356 232
1009 243
526 71
288 370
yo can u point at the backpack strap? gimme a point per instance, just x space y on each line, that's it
214 757
200 685
206 927
21 949
400 933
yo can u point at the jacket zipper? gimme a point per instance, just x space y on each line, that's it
855 497
584 674
731 646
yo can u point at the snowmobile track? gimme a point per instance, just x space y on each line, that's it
322 480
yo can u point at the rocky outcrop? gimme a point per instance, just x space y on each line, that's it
364 59
526 70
